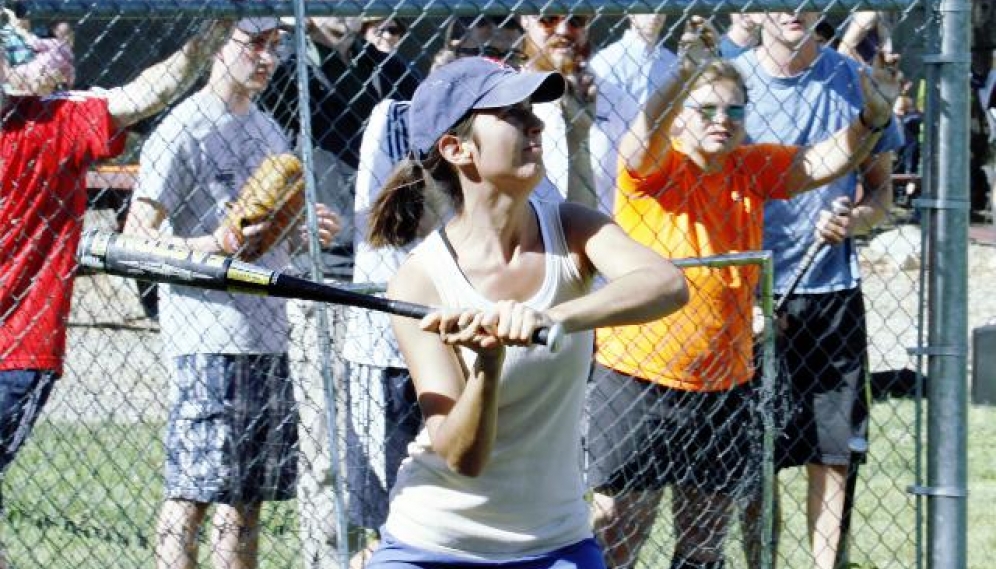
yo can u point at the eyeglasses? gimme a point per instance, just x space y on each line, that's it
550 23
512 57
260 44
735 113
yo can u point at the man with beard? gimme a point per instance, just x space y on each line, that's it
560 43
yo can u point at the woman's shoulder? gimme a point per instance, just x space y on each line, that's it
413 280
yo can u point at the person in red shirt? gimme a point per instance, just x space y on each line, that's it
46 146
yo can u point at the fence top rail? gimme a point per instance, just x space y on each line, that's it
145 9
725 260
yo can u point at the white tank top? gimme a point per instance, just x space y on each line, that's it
529 498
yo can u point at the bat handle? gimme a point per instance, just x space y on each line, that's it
808 259
552 337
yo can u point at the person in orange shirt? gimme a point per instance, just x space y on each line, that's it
671 402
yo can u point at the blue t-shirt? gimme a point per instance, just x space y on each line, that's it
804 110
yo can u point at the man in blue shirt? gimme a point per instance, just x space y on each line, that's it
800 93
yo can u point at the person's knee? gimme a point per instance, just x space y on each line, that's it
181 514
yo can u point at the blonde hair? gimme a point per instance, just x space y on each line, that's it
719 70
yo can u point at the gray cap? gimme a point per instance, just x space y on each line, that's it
453 90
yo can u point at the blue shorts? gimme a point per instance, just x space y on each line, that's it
23 393
232 431
393 554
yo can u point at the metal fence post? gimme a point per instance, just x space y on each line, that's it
948 295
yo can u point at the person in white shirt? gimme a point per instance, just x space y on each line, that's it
231 437
494 479
626 72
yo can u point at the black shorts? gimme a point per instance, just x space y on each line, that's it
822 368
643 436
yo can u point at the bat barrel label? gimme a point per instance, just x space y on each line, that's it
136 257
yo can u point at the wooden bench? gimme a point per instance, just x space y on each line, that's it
110 187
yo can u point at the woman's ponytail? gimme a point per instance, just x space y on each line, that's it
397 214
398 209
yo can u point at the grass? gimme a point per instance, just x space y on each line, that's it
86 496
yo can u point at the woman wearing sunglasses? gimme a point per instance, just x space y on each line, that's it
679 387
385 35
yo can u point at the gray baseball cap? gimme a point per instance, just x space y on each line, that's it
453 90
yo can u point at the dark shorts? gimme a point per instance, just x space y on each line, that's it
23 393
643 436
822 352
232 431
383 417
393 554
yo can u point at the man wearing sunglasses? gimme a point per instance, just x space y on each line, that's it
347 77
560 43
385 35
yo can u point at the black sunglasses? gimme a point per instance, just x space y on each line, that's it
575 22
391 30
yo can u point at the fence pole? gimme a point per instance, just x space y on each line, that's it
323 323
948 296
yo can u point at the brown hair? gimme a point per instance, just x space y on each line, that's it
397 212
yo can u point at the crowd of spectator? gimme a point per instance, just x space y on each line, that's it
721 147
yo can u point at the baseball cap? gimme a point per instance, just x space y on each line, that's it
253 26
453 90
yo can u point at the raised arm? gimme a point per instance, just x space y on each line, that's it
578 108
829 159
648 139
861 24
162 83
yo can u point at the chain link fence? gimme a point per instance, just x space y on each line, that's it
87 489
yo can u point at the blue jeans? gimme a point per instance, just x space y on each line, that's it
23 393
